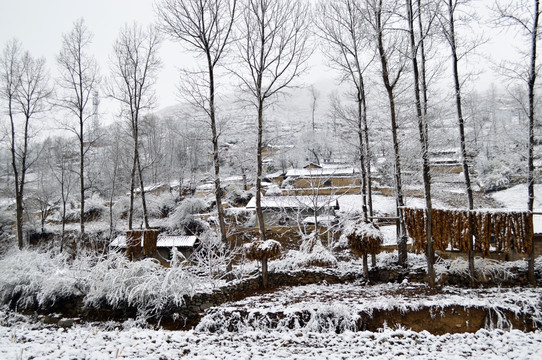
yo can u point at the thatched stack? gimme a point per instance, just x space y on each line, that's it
258 250
364 238
453 228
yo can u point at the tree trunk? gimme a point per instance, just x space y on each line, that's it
430 252
19 187
259 172
461 124
367 160
132 190
530 180
216 159
82 177
265 278
362 147
143 200
365 267
389 85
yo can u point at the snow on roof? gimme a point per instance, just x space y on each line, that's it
331 171
176 241
322 219
164 241
274 175
293 202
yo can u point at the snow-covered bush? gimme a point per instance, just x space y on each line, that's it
145 285
293 260
32 279
237 196
239 216
213 257
485 268
160 206
183 216
94 207
494 175
29 279
312 253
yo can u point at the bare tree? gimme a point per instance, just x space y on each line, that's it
24 87
273 50
449 24
416 38
60 164
133 74
205 27
78 80
382 17
315 95
343 30
526 16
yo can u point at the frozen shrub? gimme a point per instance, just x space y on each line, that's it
29 279
312 253
121 207
94 208
32 279
213 257
145 285
160 206
494 176
183 216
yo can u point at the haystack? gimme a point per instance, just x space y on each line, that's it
263 251
364 238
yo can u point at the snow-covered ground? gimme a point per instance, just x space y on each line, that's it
515 198
23 340
355 298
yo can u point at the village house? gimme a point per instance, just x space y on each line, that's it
291 210
186 245
328 179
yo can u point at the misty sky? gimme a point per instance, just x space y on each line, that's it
39 25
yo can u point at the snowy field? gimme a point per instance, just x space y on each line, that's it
21 341
22 337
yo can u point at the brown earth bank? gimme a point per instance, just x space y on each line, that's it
448 319
436 320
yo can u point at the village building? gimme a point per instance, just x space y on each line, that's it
186 245
291 210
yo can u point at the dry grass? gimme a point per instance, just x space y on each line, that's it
258 250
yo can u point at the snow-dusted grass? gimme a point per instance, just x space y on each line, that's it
91 342
39 279
330 311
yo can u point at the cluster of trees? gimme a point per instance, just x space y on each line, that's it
379 48
399 38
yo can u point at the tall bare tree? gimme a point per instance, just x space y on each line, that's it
449 21
204 26
343 30
78 80
61 167
525 16
383 19
25 89
133 74
416 39
273 49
